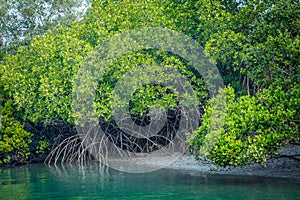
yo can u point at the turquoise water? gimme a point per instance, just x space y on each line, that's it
38 181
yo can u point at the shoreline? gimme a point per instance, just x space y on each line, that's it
282 167
254 170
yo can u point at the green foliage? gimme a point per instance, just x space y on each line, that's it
259 39
42 147
254 43
151 95
255 127
14 139
147 95
40 79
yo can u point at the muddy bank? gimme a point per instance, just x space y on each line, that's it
286 166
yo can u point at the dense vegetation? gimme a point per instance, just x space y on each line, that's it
255 45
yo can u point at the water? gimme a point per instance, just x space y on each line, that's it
38 181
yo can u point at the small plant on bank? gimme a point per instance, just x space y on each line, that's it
42 147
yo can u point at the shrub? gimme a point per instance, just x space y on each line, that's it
14 139
255 127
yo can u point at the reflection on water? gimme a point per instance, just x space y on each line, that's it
39 181
14 184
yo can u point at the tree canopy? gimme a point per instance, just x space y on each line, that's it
22 20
